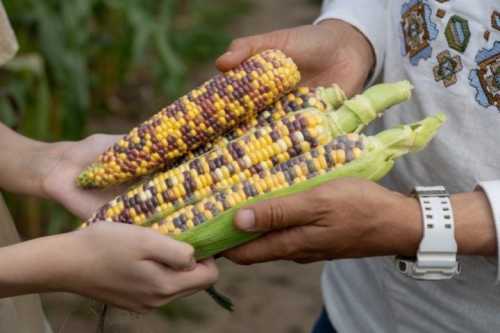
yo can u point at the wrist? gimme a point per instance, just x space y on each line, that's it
33 266
48 157
40 159
474 226
19 161
24 166
404 227
61 266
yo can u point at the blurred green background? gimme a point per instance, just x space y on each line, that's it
86 60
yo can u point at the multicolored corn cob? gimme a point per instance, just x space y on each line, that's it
202 115
261 149
321 98
319 160
208 224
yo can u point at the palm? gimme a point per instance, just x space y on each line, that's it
73 157
332 52
324 58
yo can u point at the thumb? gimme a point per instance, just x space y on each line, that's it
274 214
243 48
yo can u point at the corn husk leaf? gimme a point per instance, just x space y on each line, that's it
219 234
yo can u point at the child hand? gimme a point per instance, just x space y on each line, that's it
130 267
63 163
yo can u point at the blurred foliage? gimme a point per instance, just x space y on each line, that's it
86 59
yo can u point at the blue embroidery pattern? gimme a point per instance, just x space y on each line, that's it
447 68
417 30
486 77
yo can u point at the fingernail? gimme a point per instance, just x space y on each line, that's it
245 220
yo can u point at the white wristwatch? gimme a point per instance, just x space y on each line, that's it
437 254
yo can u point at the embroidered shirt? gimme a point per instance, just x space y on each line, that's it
450 51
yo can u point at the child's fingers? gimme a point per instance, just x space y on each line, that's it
202 276
172 253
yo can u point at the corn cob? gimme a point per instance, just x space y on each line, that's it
261 149
321 98
205 113
213 229
319 160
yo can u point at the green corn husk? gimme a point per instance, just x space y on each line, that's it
219 234
359 111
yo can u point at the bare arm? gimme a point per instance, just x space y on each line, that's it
23 163
128 266
48 170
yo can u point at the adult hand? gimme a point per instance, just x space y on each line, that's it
124 265
330 52
345 218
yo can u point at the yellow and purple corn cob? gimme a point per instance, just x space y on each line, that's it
321 98
199 117
261 149
321 159
208 225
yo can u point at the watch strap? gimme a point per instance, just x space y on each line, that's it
436 256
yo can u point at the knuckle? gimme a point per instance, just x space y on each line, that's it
186 254
212 275
237 43
94 138
161 288
276 215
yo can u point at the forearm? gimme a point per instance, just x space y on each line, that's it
33 266
474 227
22 163
368 17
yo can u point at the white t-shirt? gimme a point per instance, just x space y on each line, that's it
450 51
